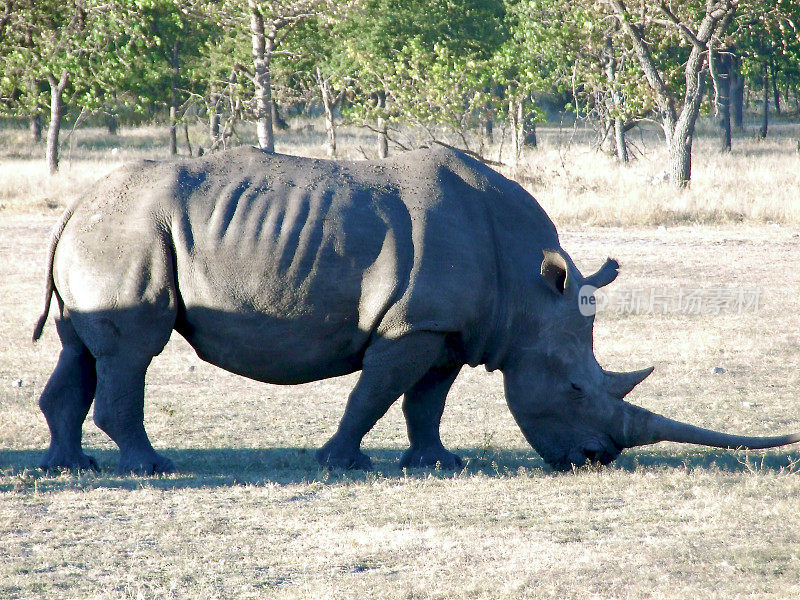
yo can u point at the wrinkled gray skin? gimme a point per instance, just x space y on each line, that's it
288 270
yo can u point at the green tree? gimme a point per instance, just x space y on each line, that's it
553 46
677 86
167 36
314 65
427 64
65 45
767 38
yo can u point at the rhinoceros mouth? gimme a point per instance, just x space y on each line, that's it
594 455
597 450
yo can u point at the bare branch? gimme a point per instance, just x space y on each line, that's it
474 155
4 18
388 137
294 13
672 20
240 68
664 98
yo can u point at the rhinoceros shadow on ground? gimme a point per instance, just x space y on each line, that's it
227 467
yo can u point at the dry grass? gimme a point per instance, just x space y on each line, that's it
758 182
251 516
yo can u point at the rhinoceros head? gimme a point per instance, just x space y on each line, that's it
569 408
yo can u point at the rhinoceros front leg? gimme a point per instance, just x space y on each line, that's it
389 369
119 411
423 406
65 401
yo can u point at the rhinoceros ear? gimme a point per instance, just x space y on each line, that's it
554 271
605 275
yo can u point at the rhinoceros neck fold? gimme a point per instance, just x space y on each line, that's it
519 231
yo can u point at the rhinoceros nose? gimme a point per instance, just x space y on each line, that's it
591 455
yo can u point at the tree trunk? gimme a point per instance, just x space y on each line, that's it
680 162
512 121
111 124
621 148
531 140
186 137
523 132
213 125
262 54
277 120
111 115
737 93
173 129
762 133
56 114
619 140
383 138
775 93
519 125
213 117
330 123
173 102
36 127
680 142
722 83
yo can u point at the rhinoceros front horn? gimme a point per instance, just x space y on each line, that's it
642 427
620 385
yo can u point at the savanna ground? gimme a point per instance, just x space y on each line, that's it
250 515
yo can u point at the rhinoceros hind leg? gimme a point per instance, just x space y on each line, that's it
423 406
389 369
119 411
65 401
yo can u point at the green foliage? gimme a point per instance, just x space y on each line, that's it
428 63
768 33
167 38
438 64
47 40
544 40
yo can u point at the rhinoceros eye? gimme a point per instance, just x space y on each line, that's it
576 388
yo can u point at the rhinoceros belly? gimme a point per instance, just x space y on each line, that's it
287 283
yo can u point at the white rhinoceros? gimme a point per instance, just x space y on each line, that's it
288 270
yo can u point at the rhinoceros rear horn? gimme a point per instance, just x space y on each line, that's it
643 427
605 275
620 385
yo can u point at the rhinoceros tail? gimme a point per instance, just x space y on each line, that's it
50 286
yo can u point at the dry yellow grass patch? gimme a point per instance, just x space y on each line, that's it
250 515
758 182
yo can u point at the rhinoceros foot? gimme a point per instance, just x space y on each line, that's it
431 456
334 457
57 460
145 463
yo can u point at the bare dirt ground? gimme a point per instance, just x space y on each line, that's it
249 515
